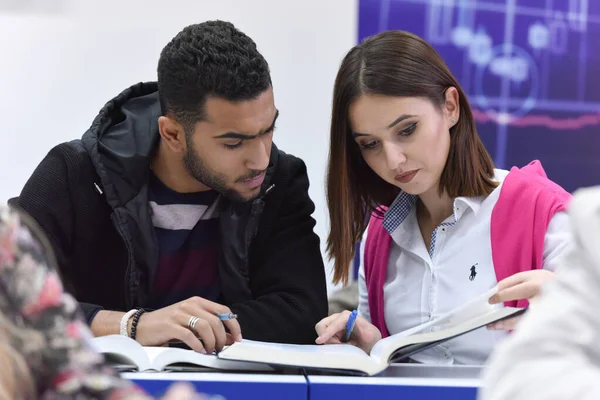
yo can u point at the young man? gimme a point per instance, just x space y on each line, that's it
177 201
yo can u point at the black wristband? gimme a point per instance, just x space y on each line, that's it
136 319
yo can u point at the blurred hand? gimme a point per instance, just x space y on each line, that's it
158 327
332 329
506 325
182 391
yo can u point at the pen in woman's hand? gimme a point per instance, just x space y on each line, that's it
350 326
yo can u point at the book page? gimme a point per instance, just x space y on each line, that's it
121 350
327 356
406 345
160 357
163 357
479 305
305 348
475 307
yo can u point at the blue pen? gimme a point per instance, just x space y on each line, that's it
227 316
350 325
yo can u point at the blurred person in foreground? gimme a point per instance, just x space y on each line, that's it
43 339
555 352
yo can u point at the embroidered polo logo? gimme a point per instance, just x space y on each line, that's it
473 272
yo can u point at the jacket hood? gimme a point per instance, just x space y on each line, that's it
122 139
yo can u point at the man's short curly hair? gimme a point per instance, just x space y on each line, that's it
205 60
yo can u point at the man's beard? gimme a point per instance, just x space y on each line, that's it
202 173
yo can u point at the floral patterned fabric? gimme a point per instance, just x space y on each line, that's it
43 324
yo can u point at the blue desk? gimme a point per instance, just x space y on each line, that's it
230 386
402 381
410 381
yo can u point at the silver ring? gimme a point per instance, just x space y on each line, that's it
192 322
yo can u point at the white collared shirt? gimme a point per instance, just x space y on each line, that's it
422 284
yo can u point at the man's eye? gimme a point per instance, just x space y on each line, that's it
234 146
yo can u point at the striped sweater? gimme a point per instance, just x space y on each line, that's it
186 228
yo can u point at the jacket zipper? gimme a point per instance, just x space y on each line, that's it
257 207
117 223
128 299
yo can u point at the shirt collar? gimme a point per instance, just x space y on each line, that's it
398 211
404 203
461 204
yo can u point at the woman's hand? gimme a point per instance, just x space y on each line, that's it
523 285
332 329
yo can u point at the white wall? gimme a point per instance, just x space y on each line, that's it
59 65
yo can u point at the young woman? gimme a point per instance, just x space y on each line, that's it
43 350
445 225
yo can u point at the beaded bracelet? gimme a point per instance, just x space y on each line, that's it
125 321
136 319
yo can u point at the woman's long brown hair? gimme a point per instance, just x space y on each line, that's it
399 64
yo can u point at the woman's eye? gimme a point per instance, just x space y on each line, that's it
409 130
369 145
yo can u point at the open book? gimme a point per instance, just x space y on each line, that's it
475 314
127 354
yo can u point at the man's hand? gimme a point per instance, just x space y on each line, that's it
158 327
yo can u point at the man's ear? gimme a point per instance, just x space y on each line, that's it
172 133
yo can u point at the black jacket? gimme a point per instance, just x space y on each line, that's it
91 198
